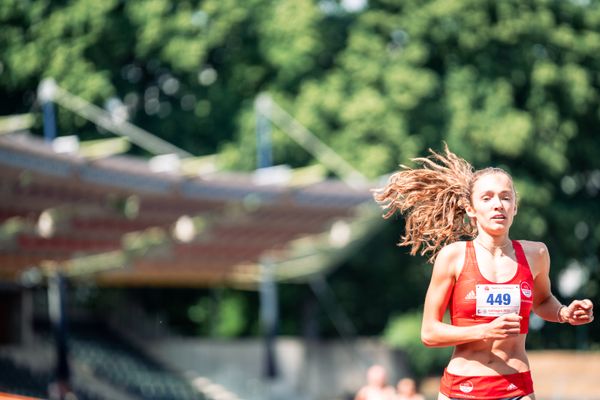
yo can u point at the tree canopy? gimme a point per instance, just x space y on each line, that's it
510 83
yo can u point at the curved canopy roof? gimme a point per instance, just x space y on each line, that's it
120 223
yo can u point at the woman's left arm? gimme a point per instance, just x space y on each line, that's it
545 305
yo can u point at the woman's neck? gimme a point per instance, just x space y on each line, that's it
493 244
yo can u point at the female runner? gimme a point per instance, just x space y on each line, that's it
490 283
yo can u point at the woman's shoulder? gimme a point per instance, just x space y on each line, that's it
453 249
452 256
537 254
534 248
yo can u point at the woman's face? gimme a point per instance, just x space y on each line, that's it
493 203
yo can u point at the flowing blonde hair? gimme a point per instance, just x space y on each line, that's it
433 200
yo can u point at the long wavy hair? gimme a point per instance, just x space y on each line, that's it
433 199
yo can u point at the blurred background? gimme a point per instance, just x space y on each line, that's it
185 205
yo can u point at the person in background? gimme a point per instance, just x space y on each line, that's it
406 389
377 387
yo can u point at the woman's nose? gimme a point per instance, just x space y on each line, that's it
497 202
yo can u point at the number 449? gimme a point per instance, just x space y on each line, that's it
499 299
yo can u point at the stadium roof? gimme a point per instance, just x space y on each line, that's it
117 221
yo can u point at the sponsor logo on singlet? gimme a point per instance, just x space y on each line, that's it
466 387
512 386
526 289
471 295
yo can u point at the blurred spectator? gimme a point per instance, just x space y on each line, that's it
406 389
376 387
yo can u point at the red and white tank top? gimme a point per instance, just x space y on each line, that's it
476 300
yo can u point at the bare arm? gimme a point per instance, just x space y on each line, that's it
360 395
545 305
434 332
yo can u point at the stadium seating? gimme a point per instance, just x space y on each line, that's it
99 353
19 380
125 367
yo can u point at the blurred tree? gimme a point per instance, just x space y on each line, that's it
507 83
221 316
511 83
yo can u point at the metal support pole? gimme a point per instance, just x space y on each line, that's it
26 316
46 92
49 91
58 319
265 106
269 312
49 121
264 151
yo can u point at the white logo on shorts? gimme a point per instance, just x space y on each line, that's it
466 387
512 386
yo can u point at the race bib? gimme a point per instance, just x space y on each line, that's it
497 299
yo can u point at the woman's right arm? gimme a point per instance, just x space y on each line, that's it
434 332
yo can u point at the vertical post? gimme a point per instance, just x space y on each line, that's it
46 92
49 122
58 319
264 152
269 307
269 311
26 316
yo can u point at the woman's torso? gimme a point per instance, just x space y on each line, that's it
490 357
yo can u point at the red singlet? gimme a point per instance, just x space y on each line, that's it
463 305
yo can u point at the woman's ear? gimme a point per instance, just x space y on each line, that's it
470 211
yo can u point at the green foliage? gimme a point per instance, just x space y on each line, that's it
219 317
291 48
499 81
404 332
511 83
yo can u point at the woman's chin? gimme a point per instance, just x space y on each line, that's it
495 230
